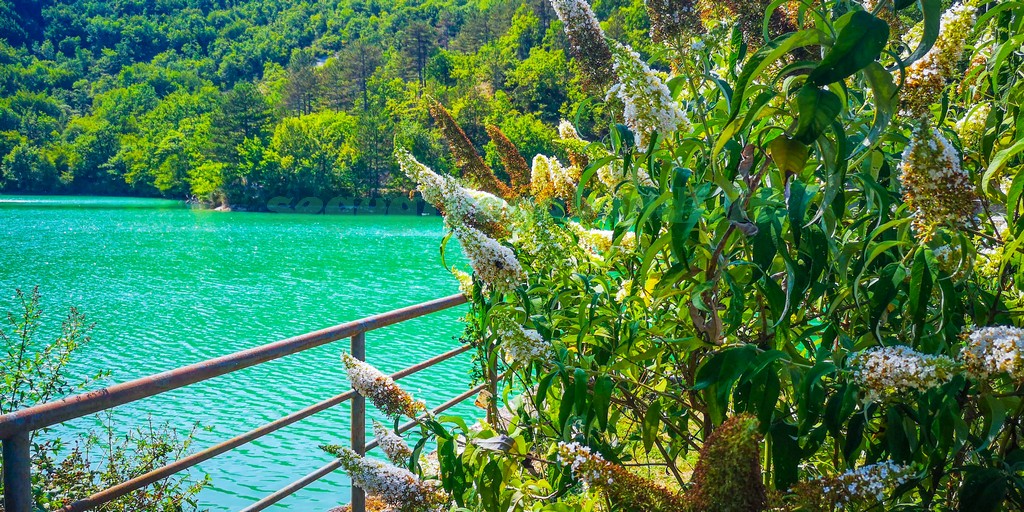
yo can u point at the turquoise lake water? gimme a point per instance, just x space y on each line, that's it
167 286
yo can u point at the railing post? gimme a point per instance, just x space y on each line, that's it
18 473
358 351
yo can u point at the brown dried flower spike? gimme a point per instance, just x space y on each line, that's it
586 42
469 161
515 165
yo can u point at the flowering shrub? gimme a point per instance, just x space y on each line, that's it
786 275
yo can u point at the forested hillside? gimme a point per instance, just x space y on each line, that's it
239 101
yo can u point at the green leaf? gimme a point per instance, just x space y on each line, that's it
719 374
994 412
983 490
764 57
652 422
1015 192
920 290
453 476
490 486
998 163
588 174
457 420
767 397
817 108
884 91
684 215
565 408
734 315
723 363
797 209
854 436
789 155
602 399
580 379
861 39
897 439
811 397
542 389
785 454
438 429
932 11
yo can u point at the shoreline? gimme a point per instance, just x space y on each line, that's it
399 204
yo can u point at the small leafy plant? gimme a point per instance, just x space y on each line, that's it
35 371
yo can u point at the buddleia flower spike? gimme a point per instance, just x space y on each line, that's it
381 389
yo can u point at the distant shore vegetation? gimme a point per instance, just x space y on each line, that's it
234 103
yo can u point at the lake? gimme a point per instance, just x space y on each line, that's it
167 286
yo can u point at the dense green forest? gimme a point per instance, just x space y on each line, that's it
236 102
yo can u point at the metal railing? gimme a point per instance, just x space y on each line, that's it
16 427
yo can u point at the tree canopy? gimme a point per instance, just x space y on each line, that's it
224 102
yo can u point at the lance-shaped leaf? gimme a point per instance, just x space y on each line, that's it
862 38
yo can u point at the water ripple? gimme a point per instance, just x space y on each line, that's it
168 286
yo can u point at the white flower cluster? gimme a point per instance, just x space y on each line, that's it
586 38
495 264
624 290
971 127
542 241
884 372
949 258
380 389
602 240
935 186
649 106
575 146
541 186
864 484
393 445
672 20
549 178
586 465
489 205
567 131
459 204
522 345
576 13
473 216
614 173
995 350
927 76
465 282
399 488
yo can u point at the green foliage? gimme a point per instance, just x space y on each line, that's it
164 99
98 461
34 372
831 245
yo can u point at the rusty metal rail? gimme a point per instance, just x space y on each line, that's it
330 467
16 427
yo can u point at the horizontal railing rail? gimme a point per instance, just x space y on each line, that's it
16 427
332 466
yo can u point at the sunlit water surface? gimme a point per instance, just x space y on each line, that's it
167 286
